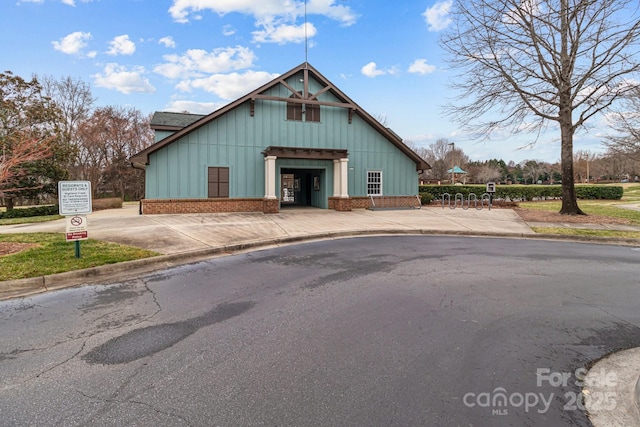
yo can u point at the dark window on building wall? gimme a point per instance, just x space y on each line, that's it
312 113
294 111
218 182
302 112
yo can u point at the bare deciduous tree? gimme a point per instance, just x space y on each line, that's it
72 97
488 173
108 138
526 64
626 124
583 160
533 169
440 156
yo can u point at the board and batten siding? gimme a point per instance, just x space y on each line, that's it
236 140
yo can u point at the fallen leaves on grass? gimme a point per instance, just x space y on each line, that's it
538 215
7 248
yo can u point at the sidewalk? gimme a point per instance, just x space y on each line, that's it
173 234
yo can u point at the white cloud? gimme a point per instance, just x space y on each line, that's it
283 34
121 45
67 2
193 107
420 66
195 62
119 78
228 30
339 12
229 86
276 19
180 9
437 16
73 43
167 42
372 70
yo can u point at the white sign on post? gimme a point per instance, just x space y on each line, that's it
74 198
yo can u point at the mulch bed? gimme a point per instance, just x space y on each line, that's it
7 248
538 215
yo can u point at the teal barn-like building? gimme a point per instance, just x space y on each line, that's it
297 140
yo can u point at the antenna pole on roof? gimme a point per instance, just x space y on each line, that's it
306 39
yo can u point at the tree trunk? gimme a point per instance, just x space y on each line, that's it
569 201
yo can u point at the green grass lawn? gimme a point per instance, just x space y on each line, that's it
29 220
631 194
55 255
591 207
587 232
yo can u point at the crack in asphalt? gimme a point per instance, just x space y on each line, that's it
15 353
155 299
63 362
113 399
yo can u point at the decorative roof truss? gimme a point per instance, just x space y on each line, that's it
306 97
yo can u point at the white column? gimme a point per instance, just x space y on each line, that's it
270 177
336 178
344 178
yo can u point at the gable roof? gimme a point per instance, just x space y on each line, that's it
456 169
163 120
305 98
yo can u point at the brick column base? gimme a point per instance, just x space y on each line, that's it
271 206
340 204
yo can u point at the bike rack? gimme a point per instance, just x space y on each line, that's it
459 197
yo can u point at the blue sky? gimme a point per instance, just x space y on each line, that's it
198 55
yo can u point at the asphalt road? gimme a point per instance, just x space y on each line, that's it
393 331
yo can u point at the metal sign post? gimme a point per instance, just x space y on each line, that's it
74 202
491 189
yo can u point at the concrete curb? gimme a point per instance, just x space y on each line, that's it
34 285
638 394
612 390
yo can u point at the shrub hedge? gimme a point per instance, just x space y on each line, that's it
426 198
525 192
28 212
110 203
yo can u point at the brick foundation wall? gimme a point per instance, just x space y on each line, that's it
180 206
360 202
395 202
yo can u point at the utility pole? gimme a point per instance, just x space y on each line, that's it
453 165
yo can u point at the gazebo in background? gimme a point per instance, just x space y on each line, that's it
457 174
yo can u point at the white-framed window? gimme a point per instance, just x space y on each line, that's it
374 183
